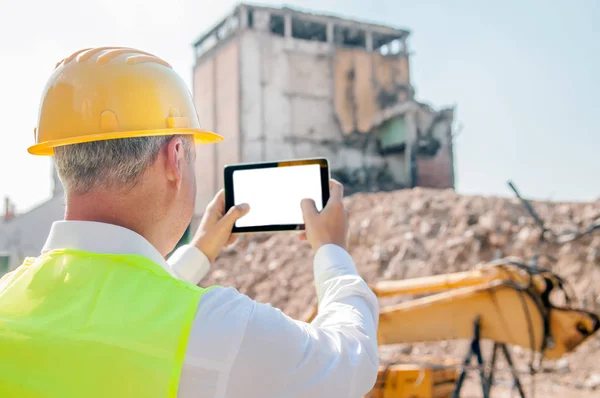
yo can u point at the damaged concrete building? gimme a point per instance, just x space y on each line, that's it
279 83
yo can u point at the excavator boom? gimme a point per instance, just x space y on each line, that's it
508 315
510 303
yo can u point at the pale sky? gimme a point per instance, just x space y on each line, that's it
525 78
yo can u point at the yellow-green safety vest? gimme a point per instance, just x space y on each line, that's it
86 325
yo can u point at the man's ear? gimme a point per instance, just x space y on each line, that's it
175 158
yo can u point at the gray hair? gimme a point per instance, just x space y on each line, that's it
115 163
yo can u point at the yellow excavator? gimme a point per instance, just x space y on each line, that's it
504 301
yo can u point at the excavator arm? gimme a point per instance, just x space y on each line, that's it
512 301
507 315
512 304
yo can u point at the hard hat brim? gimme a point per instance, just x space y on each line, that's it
200 137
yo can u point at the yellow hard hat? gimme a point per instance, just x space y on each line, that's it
114 92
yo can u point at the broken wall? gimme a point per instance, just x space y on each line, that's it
365 83
434 154
288 93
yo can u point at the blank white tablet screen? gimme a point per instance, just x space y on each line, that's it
274 194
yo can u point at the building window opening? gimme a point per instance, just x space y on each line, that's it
395 47
309 30
204 46
388 44
381 39
250 17
277 24
4 263
228 26
349 37
392 136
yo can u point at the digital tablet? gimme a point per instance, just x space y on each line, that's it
274 191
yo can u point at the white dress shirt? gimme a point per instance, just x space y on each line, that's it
241 348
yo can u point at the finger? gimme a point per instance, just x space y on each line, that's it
336 189
309 209
217 205
232 239
234 214
215 209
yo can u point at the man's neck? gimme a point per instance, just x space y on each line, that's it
113 208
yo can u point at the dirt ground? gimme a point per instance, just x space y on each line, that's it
419 232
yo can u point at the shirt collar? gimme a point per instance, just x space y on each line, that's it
101 238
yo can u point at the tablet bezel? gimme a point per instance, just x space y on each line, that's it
230 194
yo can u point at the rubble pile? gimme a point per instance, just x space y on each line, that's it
419 232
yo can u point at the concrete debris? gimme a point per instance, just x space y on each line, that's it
593 256
418 232
561 366
592 382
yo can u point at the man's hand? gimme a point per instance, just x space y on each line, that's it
214 231
331 225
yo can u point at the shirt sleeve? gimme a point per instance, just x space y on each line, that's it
333 356
189 264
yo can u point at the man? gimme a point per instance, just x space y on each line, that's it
101 313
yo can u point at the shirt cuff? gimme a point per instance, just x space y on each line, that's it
189 263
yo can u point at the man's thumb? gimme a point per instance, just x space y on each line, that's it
235 213
309 209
